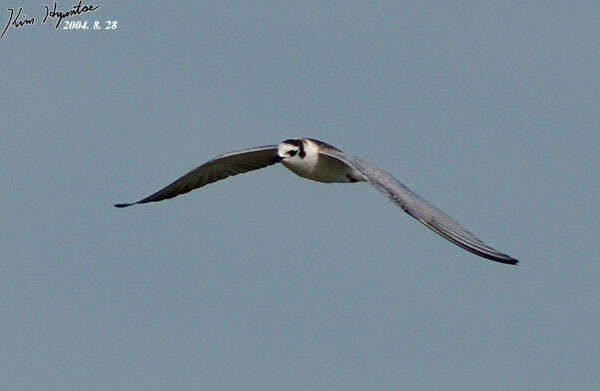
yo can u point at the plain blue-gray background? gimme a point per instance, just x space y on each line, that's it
267 281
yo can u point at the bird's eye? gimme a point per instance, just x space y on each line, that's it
292 153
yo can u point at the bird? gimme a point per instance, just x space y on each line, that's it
318 161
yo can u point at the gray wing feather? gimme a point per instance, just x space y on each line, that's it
221 167
420 209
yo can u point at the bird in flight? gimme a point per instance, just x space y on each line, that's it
319 161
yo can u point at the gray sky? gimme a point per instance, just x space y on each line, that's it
268 281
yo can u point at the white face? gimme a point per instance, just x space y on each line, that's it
291 151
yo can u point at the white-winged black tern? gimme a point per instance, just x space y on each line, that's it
319 161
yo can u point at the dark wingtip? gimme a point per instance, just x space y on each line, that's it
123 205
508 261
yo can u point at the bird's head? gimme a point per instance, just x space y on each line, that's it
291 151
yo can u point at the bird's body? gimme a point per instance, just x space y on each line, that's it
313 164
319 161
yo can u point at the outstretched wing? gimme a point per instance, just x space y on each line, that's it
420 209
221 167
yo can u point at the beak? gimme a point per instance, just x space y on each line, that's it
276 159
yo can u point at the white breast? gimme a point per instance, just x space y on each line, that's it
321 168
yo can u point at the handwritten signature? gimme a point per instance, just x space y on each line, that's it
21 20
